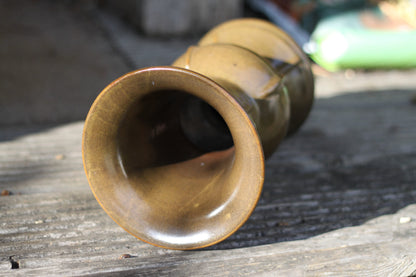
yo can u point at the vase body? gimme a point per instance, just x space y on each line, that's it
175 154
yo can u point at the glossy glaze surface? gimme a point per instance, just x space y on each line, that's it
251 81
283 54
175 154
151 179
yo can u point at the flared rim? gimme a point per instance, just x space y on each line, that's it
107 112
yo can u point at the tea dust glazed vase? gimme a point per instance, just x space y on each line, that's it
175 154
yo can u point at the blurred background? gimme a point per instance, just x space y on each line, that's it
56 56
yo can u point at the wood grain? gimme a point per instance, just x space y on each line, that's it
331 205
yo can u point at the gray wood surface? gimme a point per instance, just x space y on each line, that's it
339 200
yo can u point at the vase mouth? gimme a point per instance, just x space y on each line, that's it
156 180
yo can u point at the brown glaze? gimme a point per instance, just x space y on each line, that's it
251 81
175 154
283 54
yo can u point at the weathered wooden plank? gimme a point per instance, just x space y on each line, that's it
323 180
36 159
379 247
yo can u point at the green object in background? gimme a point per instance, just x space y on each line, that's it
343 42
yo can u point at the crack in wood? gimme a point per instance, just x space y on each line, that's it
14 264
